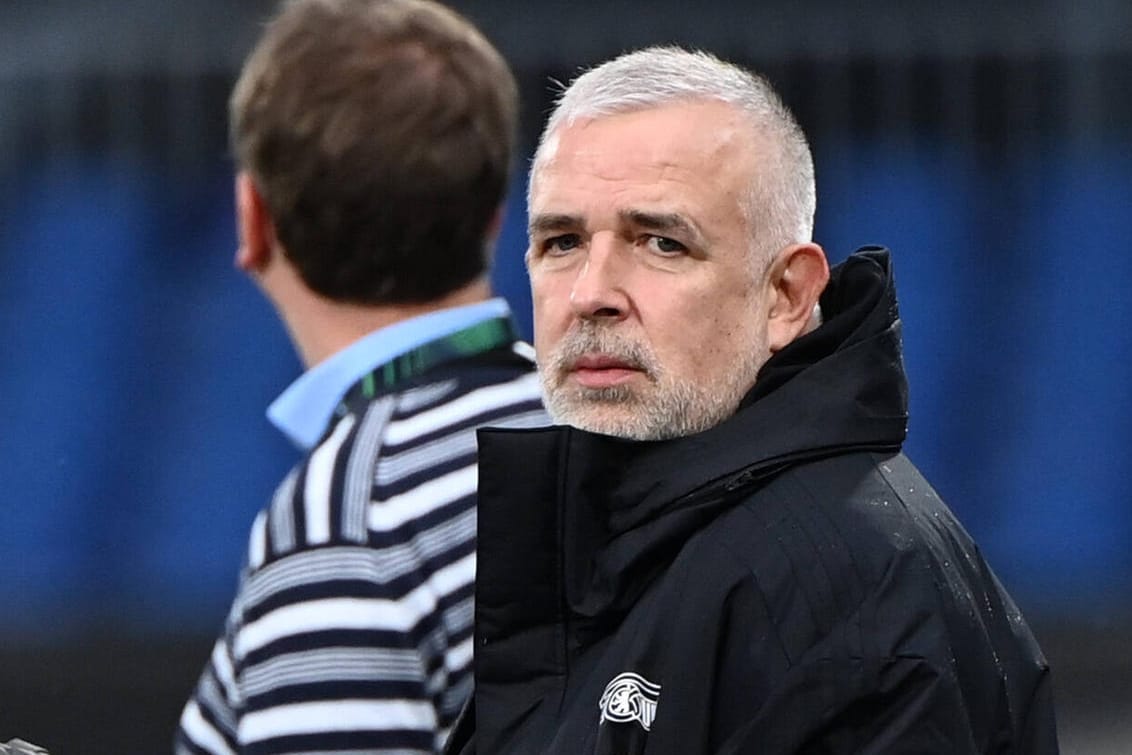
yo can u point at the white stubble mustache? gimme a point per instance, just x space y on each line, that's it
589 338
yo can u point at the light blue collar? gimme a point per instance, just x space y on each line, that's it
303 411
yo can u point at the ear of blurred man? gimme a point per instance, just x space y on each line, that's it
255 226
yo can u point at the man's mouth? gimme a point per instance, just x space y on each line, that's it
603 370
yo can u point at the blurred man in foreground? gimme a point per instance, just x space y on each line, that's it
374 139
725 550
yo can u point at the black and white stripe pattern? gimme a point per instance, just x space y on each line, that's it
352 628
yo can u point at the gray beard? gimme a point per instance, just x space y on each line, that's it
669 407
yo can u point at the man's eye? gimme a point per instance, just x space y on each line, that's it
559 245
666 246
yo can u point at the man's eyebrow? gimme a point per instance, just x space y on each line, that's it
551 222
664 222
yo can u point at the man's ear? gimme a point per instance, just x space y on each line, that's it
795 281
257 231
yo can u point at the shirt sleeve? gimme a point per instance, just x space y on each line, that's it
338 641
352 627
320 653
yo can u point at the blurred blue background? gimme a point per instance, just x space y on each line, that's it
989 147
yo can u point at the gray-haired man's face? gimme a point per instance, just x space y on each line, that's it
650 316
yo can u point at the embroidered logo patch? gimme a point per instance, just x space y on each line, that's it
630 697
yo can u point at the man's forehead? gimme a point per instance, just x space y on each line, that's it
703 123
686 142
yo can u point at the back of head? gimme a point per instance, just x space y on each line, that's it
380 134
782 199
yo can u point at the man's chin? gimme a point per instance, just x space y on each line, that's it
602 418
627 421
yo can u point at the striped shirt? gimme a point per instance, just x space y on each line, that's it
352 628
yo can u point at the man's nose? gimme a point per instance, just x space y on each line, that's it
599 290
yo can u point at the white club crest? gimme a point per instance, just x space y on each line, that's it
630 697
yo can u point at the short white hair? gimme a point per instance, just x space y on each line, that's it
782 194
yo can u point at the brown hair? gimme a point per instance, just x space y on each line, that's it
380 134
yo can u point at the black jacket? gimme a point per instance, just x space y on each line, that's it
786 582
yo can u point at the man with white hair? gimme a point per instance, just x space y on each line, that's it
722 549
